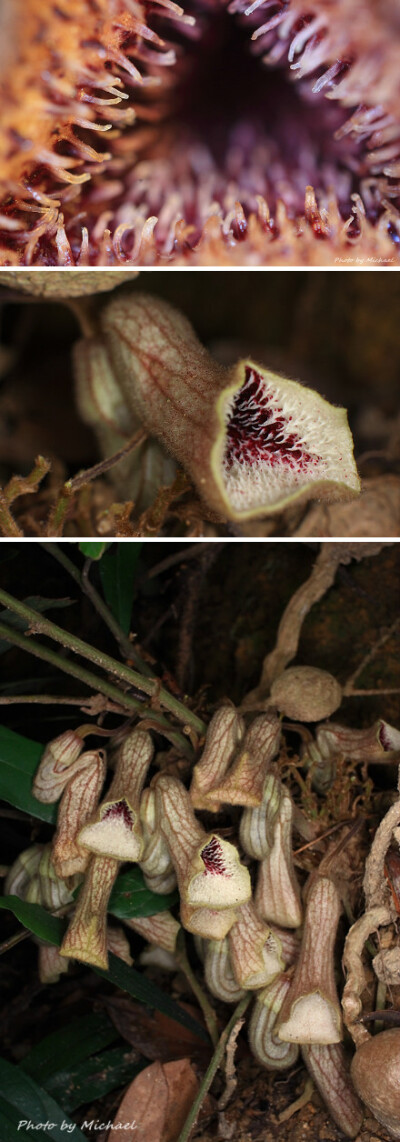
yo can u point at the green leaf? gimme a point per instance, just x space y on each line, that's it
95 1077
51 928
118 577
38 604
35 919
93 550
19 759
9 1122
34 1104
68 1047
130 897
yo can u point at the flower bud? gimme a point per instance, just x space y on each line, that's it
306 694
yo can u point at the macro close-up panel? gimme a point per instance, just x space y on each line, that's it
216 133
199 768
146 404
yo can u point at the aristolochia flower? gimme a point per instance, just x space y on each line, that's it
252 442
208 868
255 951
311 1009
116 832
268 831
224 733
244 781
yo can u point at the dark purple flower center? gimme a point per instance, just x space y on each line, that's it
119 812
213 858
258 432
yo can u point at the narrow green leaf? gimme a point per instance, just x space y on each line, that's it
34 1104
35 919
127 979
19 759
118 577
130 897
39 604
9 1121
68 1047
50 928
95 1077
93 550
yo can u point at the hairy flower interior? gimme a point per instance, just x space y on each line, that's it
220 127
279 439
113 835
312 1021
224 881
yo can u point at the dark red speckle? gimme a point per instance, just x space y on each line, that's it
259 433
212 857
119 811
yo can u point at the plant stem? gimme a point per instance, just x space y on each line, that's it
183 962
150 686
99 685
8 526
126 647
213 1067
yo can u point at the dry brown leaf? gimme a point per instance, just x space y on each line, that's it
376 512
154 1034
157 1103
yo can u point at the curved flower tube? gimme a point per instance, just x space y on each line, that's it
224 734
59 762
244 781
156 863
265 1045
277 895
255 951
77 805
328 1067
311 1010
86 935
218 972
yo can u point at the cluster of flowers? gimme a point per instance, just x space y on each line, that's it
273 940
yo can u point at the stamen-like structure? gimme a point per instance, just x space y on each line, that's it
110 153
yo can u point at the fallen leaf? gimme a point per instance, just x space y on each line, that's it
154 1035
376 512
157 1103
